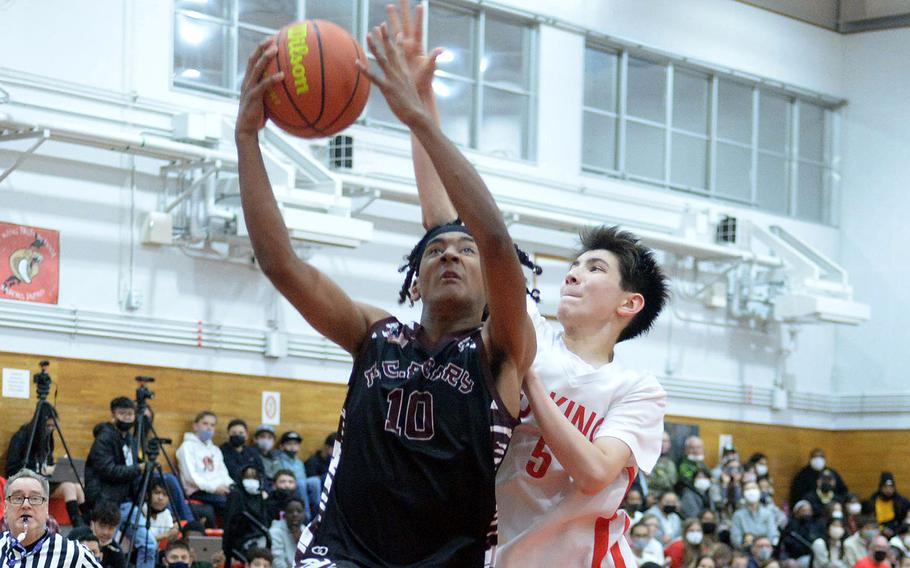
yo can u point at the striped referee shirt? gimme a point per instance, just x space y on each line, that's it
55 552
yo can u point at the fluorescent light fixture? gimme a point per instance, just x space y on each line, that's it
192 34
447 56
441 89
484 63
190 74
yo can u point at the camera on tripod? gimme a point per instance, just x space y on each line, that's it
143 393
43 380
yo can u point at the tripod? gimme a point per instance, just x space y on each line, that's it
43 380
144 423
151 450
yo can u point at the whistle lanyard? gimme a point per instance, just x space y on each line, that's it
16 547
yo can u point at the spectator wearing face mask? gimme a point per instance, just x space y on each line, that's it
645 548
828 551
856 546
669 523
202 471
264 443
802 530
888 506
708 521
823 495
877 555
753 518
237 454
684 552
768 502
693 460
853 508
727 455
806 480
664 476
633 505
760 462
697 496
761 552
246 519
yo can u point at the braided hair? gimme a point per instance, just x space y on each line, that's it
411 267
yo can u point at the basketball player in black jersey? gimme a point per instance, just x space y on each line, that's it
429 408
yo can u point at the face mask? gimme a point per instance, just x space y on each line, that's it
283 494
836 532
698 458
837 514
251 486
123 426
265 444
237 440
702 484
178 565
870 534
854 508
817 463
640 543
884 497
752 495
204 435
668 509
761 469
694 537
709 528
827 487
633 507
290 453
764 554
879 555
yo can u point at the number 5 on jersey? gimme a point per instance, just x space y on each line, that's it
540 460
418 419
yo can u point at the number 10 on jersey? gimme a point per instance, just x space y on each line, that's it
418 415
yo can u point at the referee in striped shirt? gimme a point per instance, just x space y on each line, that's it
28 543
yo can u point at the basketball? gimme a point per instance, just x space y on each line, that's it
322 91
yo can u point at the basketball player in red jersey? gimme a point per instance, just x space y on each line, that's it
588 425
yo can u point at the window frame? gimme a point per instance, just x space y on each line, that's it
758 87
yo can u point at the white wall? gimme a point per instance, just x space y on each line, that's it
875 202
125 47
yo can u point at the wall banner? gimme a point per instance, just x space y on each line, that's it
29 263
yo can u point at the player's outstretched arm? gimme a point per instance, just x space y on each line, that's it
510 329
321 302
435 207
593 466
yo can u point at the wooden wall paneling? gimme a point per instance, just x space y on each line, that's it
85 388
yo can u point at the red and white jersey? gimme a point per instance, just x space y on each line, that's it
543 519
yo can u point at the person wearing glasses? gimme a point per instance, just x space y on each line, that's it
28 543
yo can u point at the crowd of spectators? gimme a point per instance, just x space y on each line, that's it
250 494
685 515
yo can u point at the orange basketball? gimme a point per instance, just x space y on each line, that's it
322 92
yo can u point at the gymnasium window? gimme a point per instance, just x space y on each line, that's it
690 129
214 38
484 78
484 84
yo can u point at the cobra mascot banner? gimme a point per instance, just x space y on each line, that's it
29 263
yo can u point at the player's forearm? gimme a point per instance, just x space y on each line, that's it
264 222
435 206
463 185
588 465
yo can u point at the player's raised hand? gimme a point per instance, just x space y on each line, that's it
397 82
251 114
422 65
